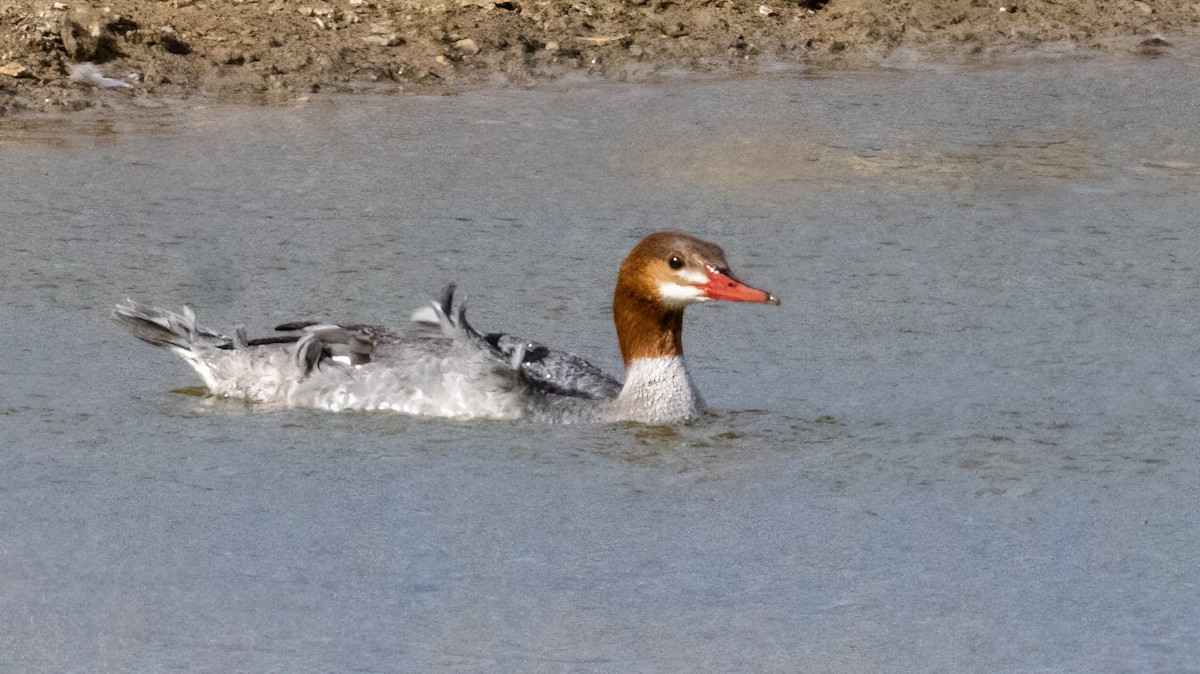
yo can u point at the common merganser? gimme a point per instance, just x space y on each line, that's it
447 368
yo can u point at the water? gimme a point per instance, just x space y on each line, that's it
966 440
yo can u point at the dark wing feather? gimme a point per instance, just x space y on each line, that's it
541 369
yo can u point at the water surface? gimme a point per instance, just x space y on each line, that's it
966 440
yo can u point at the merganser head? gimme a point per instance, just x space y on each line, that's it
675 270
666 272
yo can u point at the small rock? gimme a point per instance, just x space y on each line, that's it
467 46
635 50
391 40
764 10
1144 8
601 40
15 69
440 60
85 36
60 6
551 46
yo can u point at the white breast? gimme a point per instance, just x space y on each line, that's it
656 391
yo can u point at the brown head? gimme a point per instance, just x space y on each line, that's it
666 272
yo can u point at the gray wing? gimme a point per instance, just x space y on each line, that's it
555 371
541 369
317 343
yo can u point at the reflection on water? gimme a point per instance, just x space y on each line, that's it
965 442
778 159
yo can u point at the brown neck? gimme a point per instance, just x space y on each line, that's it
646 329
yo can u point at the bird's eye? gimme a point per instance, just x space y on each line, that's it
675 263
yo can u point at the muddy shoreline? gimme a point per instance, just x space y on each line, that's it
275 51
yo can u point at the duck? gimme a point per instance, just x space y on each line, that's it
442 366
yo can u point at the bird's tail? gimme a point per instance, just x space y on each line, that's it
161 327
